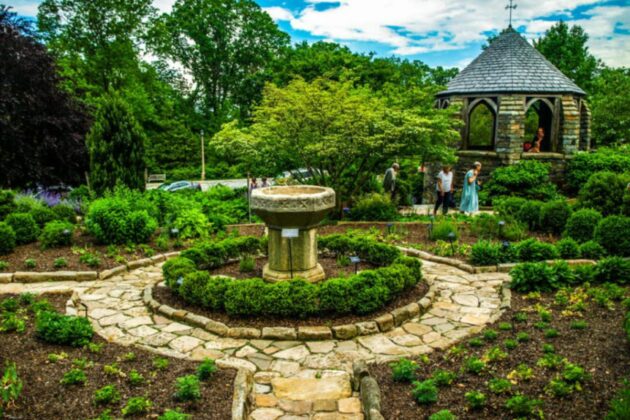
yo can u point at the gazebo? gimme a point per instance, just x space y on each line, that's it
503 97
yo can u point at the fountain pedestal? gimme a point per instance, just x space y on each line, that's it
292 213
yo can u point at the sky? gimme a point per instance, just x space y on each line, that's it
446 33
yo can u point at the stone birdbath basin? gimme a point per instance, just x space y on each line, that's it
292 213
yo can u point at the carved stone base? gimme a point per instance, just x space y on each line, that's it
314 275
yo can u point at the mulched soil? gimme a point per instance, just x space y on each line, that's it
43 397
166 296
602 349
45 258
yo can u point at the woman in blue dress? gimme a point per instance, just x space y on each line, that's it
470 193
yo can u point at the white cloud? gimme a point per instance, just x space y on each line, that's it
412 27
279 13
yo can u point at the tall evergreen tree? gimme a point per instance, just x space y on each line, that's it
116 146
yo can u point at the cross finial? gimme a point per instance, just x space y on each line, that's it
511 7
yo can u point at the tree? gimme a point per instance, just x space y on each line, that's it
225 45
566 49
116 145
42 129
610 107
342 134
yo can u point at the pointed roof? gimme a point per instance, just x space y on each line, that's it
509 65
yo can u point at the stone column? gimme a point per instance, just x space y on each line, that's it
293 255
585 126
510 128
569 125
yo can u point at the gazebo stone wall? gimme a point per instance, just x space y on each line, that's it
508 78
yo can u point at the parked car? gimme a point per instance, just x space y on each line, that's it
180 185
298 174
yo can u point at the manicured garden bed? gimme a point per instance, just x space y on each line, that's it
41 368
584 327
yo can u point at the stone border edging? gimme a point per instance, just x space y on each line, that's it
243 385
383 323
368 389
80 276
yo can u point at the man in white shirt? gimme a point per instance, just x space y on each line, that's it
444 189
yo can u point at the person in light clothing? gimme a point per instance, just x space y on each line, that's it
470 191
444 190
389 182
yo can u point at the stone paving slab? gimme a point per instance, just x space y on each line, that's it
292 378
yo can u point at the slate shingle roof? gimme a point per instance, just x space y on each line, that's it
511 64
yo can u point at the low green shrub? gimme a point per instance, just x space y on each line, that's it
592 250
135 378
136 406
613 233
113 220
443 415
475 399
42 214
508 206
528 277
7 238
11 384
522 406
55 328
425 392
604 192
7 203
533 250
106 395
65 213
499 386
554 216
442 229
528 179
74 377
187 388
374 207
581 225
568 248
474 365
529 214
206 369
174 415
56 234
443 378
367 248
584 164
619 407
212 254
175 269
24 226
247 264
613 270
404 370
191 223
491 253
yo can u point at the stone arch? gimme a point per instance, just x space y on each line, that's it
481 121
585 126
539 113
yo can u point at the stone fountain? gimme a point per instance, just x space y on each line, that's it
292 213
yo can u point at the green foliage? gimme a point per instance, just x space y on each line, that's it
187 388
554 216
528 179
174 415
551 333
610 107
529 214
510 344
56 234
404 370
116 220
490 335
10 386
116 146
592 250
443 377
374 207
499 386
30 263
3 265
106 395
604 192
490 253
42 214
160 363
7 203
581 225
247 264
7 238
350 132
475 342
89 259
136 406
24 226
474 365
442 229
558 388
367 248
74 377
60 262
135 378
175 269
568 248
425 392
534 250
443 415
475 399
63 329
521 405
191 223
212 254
522 337
613 270
206 369
65 213
613 233
583 165
620 406
529 277
578 324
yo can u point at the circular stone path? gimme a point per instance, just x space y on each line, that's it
292 379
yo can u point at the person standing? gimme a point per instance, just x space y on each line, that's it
264 182
444 190
389 182
470 192
253 184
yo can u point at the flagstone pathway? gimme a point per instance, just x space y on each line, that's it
292 379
